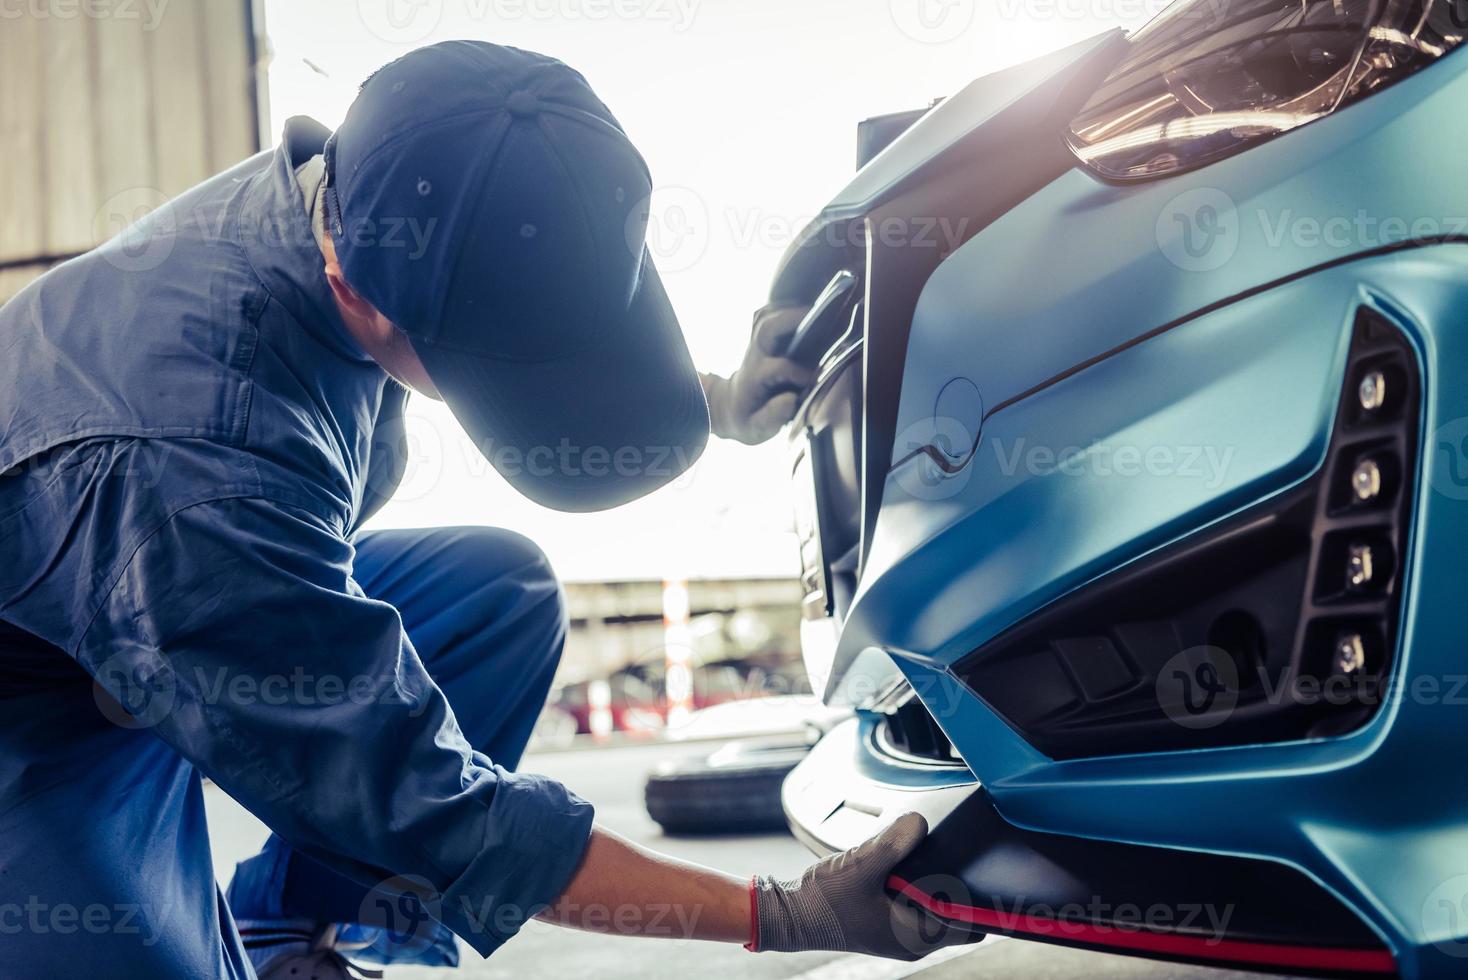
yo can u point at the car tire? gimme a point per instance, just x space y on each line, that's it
730 792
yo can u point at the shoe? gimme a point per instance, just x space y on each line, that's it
296 949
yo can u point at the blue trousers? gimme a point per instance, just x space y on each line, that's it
102 827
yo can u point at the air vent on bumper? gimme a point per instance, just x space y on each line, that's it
907 732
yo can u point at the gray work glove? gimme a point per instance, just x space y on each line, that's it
751 405
841 903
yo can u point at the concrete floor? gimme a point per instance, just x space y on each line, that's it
612 780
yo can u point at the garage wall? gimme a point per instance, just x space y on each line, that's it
107 110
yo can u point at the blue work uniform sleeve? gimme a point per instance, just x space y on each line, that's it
237 634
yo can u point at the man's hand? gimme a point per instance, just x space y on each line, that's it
760 397
841 904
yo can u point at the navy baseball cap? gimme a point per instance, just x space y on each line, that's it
487 202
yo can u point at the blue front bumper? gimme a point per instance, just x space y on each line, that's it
1122 343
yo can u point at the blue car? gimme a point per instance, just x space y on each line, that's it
1133 498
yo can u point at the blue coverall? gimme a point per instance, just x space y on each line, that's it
190 441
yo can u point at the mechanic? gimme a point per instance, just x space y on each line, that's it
196 418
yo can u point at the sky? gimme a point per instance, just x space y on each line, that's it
746 112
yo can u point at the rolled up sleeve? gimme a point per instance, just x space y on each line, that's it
236 634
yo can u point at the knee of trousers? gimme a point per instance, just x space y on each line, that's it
529 598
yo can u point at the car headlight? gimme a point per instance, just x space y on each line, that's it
1208 78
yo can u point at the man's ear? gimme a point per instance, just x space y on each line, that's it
347 297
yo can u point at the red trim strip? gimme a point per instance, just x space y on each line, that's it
753 944
1164 944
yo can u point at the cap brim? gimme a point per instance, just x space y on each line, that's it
592 430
